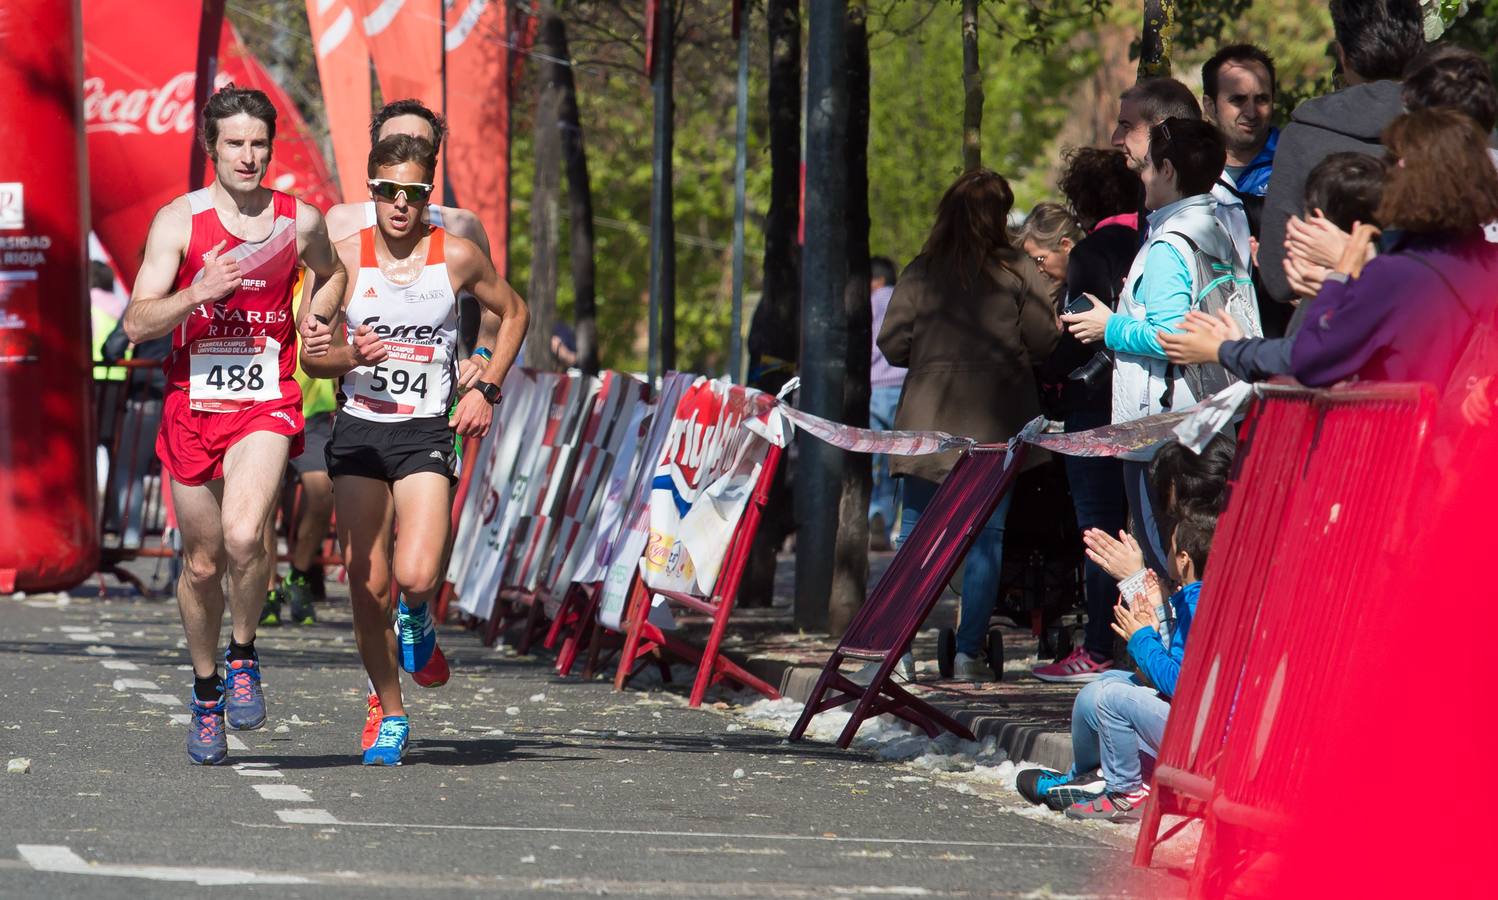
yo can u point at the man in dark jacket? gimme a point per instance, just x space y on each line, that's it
1375 40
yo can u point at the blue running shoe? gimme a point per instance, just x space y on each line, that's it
244 698
418 635
1034 784
206 743
389 747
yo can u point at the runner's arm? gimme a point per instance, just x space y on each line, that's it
466 225
341 357
317 254
499 300
154 309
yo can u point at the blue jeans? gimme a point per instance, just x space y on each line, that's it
1147 520
1113 721
884 493
980 580
1097 493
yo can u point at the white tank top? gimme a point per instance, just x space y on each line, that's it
432 215
418 323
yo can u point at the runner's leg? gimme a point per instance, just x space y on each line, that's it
253 469
312 527
200 588
365 515
423 506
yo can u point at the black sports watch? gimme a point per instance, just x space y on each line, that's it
490 391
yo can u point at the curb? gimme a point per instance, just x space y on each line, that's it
1023 740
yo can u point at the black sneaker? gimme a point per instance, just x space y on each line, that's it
1082 788
270 616
1035 784
297 590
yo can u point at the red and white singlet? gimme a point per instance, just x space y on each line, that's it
418 323
240 351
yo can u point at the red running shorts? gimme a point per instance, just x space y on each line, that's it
192 444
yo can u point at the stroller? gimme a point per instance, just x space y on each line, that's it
1041 584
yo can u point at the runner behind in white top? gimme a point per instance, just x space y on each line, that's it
391 453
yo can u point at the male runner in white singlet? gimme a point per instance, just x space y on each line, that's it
391 457
217 274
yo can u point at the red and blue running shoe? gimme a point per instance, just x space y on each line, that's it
206 743
435 673
389 746
374 713
418 635
243 696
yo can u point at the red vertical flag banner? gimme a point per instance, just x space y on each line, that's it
478 117
343 68
138 109
405 41
47 431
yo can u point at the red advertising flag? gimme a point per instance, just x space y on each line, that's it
406 41
343 68
478 117
138 110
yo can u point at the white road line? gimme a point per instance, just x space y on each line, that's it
134 684
322 817
121 665
99 650
181 718
287 792
84 636
55 858
163 699
235 743
259 773
73 629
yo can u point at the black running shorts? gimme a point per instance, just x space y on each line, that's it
389 451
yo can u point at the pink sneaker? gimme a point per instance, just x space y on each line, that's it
1077 668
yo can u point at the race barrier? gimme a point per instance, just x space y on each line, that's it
135 506
910 588
1317 509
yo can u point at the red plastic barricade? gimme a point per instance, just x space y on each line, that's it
1316 505
643 638
906 594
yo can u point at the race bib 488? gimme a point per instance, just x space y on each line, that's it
228 374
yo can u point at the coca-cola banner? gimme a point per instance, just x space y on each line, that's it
343 69
138 110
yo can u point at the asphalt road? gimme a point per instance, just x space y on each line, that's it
517 784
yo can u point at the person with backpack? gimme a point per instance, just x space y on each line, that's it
1188 262
1408 314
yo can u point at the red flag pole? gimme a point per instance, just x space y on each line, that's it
210 28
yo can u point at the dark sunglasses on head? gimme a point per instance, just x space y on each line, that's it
387 190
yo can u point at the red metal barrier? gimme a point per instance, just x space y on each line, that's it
906 594
642 638
1317 500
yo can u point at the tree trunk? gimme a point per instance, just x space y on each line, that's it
541 297
1155 41
972 90
662 205
850 578
774 329
558 74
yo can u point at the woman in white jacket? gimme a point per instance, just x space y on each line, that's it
1185 159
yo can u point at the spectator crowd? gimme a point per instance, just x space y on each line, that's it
1207 245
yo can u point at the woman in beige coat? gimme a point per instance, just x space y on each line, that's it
969 318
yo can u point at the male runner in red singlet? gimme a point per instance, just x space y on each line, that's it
391 457
217 275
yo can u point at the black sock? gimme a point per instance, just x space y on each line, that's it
207 689
241 651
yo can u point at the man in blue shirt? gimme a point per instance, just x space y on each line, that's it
1238 97
1119 718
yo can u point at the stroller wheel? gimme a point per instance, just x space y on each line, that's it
946 651
996 653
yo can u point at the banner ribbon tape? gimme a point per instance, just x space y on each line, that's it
1193 427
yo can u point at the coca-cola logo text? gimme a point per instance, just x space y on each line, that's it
163 110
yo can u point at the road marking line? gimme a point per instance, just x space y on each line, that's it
307 816
718 835
259 773
83 636
73 629
134 684
163 699
181 718
287 792
235 743
55 858
120 665
99 650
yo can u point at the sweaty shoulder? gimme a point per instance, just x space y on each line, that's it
464 258
345 219
465 224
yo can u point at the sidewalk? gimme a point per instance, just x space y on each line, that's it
1030 719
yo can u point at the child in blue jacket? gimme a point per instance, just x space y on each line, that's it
1120 716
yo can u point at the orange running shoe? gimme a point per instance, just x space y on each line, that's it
435 673
372 718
